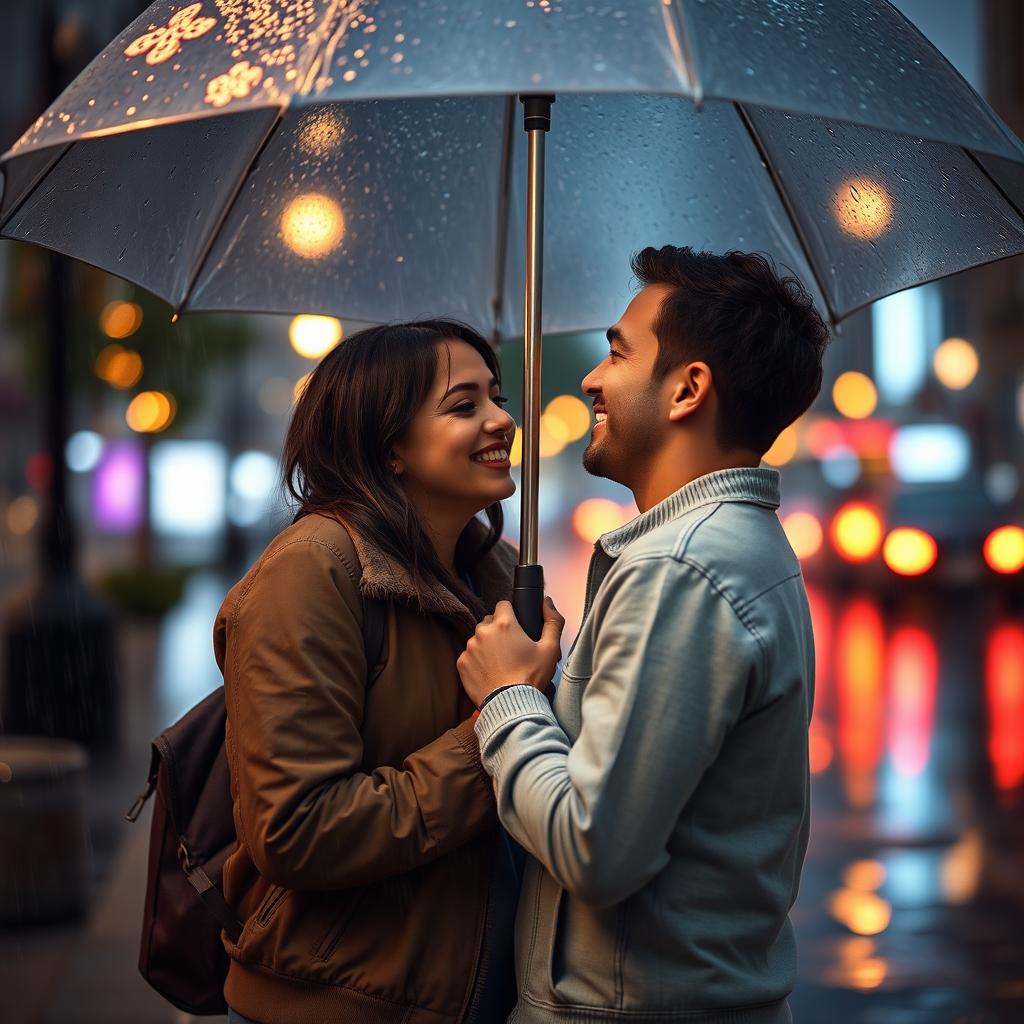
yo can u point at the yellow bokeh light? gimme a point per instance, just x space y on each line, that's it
956 363
550 443
300 386
312 225
515 456
854 395
596 516
568 418
804 533
314 336
22 515
1004 549
320 132
120 367
864 875
863 913
149 412
857 532
783 448
863 208
909 552
120 319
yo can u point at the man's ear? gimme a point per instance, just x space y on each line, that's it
690 389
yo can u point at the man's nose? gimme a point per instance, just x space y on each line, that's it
590 385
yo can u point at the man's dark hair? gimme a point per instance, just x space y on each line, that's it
759 333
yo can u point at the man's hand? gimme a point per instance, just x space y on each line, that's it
500 653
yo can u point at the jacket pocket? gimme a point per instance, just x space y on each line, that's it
274 898
328 942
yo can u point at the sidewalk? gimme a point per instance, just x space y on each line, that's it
86 971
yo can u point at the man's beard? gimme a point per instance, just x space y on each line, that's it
624 456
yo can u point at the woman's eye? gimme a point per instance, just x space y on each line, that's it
468 407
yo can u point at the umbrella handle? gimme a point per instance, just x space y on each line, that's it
528 599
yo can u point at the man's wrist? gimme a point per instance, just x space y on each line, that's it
494 693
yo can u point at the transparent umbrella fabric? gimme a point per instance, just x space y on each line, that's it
365 160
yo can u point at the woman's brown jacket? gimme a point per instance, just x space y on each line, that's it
366 824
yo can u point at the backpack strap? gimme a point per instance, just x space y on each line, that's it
210 894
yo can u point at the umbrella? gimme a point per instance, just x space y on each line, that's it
362 159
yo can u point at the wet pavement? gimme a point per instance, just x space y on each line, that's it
912 904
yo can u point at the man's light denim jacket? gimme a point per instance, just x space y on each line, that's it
664 796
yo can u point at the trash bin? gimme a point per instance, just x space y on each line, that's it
42 829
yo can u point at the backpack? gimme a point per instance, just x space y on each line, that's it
191 836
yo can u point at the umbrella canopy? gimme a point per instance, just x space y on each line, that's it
358 158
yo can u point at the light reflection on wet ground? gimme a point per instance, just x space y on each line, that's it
913 892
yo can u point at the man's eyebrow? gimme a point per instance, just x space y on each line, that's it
467 386
615 335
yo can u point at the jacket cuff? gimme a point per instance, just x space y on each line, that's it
465 735
515 704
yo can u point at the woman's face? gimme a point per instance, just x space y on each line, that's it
454 457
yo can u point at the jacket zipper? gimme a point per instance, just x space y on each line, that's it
271 905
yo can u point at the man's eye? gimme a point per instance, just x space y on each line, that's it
612 354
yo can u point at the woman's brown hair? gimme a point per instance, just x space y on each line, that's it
356 405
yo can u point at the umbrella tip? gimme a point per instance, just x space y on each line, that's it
174 318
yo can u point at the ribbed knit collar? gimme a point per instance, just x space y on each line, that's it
759 486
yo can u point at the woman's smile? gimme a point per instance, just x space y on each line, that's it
494 456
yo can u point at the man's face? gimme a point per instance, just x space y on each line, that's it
631 423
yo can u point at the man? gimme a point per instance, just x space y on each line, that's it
664 796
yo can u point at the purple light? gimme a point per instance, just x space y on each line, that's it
117 495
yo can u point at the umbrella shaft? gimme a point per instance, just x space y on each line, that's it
532 351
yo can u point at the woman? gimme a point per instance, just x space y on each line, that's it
375 883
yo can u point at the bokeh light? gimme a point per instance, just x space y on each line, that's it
955 363
804 532
841 467
515 455
864 875
1004 550
909 552
568 418
551 443
597 516
120 319
120 367
857 532
863 208
314 336
854 395
312 225
864 913
83 451
783 448
22 515
150 412
320 132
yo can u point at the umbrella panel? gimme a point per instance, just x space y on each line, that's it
625 172
375 211
882 212
144 205
854 60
